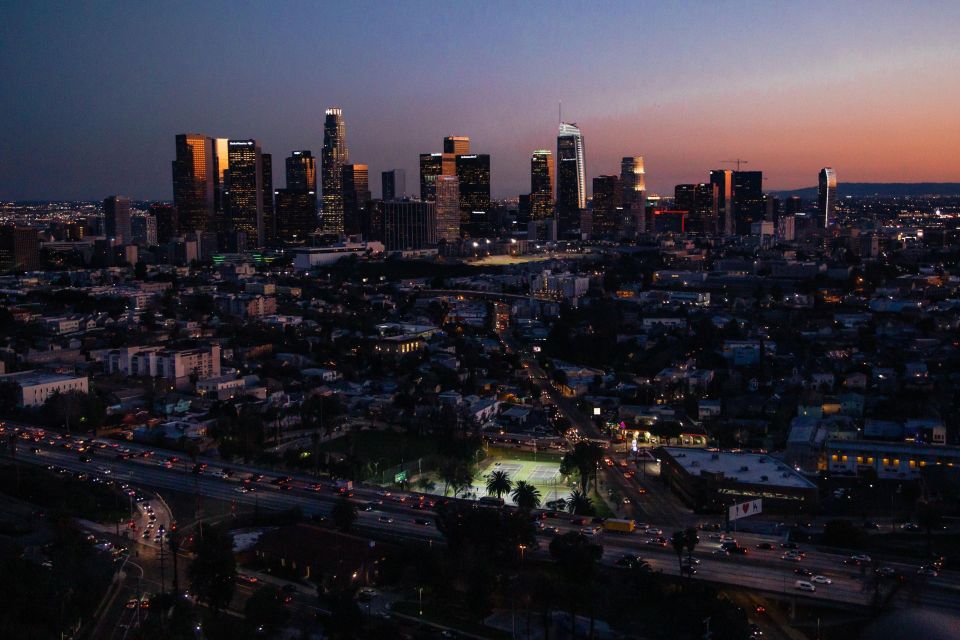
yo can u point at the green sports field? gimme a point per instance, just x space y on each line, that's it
543 473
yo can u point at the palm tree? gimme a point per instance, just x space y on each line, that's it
526 496
499 483
579 503
679 542
585 457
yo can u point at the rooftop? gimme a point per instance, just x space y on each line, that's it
749 468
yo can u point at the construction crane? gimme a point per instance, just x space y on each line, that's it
736 161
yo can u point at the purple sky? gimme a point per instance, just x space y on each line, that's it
93 95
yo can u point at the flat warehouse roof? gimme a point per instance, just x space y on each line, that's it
747 468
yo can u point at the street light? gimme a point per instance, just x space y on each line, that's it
523 548
420 589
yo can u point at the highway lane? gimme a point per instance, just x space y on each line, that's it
396 518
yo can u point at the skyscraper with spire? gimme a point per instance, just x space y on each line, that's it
335 155
571 176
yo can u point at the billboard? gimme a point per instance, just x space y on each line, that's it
744 509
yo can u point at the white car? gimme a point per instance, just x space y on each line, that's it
821 580
803 585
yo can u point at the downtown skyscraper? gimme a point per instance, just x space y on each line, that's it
302 171
571 176
393 184
296 206
334 156
116 219
356 195
633 179
448 208
246 186
827 197
541 185
194 182
473 173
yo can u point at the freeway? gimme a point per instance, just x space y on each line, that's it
408 515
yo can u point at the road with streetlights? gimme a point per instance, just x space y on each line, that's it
407 515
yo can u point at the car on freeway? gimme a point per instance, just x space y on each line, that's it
928 571
765 546
860 557
803 585
738 550
886 572
821 579
789 545
688 570
386 519
791 558
426 522
806 573
242 577
910 526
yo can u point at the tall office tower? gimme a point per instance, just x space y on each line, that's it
356 194
571 176
245 195
457 145
19 249
194 180
334 156
143 230
269 232
371 226
473 172
221 165
607 205
409 225
747 200
431 166
541 185
302 171
827 198
634 180
166 217
116 219
393 184
771 208
793 206
697 201
296 214
448 208
721 181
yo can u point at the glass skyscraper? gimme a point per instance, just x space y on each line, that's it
335 155
302 171
571 176
194 182
827 201
245 195
541 185
448 208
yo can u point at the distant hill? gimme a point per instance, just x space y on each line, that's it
887 189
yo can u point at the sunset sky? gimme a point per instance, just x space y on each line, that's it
93 95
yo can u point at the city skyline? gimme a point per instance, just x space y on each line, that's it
792 94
